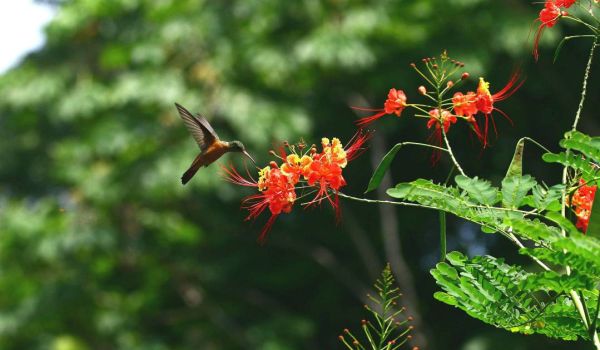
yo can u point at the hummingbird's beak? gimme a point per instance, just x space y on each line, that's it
249 156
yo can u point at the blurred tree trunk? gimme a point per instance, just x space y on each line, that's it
393 250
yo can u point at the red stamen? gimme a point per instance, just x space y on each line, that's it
368 120
354 147
262 238
509 89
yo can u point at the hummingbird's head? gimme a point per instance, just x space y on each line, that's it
237 146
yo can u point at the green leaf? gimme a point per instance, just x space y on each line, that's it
589 146
575 161
447 270
580 252
563 222
553 281
516 165
480 190
456 258
578 244
430 194
547 198
487 229
445 298
577 263
534 230
515 188
382 168
502 295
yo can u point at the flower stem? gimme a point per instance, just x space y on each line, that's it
589 26
379 201
588 68
451 153
443 129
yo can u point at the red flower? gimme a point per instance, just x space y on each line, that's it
582 201
446 119
296 166
395 104
485 101
549 15
466 106
326 167
311 171
565 3
277 192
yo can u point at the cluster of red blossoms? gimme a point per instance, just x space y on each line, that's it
466 106
582 202
304 170
548 17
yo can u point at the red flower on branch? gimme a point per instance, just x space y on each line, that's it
565 3
308 172
465 105
548 17
435 119
277 193
395 104
485 102
296 166
325 171
582 201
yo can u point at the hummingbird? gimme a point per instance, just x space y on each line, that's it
211 147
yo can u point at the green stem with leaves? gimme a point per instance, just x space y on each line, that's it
574 296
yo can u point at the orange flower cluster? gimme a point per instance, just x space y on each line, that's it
304 170
582 202
469 104
462 105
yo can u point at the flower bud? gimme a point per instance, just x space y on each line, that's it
464 76
450 84
422 90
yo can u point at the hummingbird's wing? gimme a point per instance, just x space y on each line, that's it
199 127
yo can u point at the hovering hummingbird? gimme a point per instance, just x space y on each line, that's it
211 148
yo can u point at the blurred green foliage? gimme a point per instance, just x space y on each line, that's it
102 248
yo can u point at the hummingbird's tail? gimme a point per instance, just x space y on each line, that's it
187 176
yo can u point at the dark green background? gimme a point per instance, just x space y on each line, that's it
137 261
